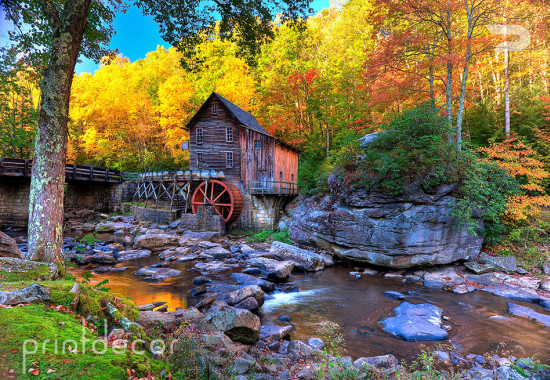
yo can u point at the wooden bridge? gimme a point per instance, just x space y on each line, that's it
13 167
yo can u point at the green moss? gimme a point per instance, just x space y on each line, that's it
59 290
10 272
41 324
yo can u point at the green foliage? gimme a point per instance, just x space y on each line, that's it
89 239
483 192
260 237
281 236
415 147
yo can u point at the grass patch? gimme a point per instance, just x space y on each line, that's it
268 236
15 270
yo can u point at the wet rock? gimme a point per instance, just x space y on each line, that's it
195 292
107 227
132 255
545 285
477 268
393 275
245 279
305 260
201 280
529 313
102 270
233 298
30 270
513 292
316 343
186 258
369 272
238 324
103 258
217 253
546 268
305 374
443 277
151 306
175 253
442 356
272 332
297 348
480 359
174 225
274 269
156 242
249 303
212 267
395 295
462 289
504 264
416 322
252 271
156 319
284 318
158 273
198 236
32 293
8 247
190 314
384 363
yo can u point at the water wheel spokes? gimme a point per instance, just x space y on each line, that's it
223 196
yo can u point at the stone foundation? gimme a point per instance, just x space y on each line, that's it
260 212
151 215
101 197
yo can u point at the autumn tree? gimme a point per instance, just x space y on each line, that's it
58 32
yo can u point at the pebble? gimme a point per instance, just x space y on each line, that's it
284 318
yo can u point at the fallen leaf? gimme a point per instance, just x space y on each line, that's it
14 351
66 361
50 370
34 371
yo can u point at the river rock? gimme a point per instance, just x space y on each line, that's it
316 343
272 332
364 225
305 260
32 293
191 314
416 322
156 242
8 247
546 268
249 303
529 313
245 279
107 227
513 292
27 269
131 255
395 295
382 362
103 258
442 277
151 306
175 253
504 264
238 324
154 319
545 285
233 298
212 267
190 236
274 269
158 273
217 253
477 268
102 270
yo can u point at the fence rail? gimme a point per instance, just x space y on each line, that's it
14 167
273 188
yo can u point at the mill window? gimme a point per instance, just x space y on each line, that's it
229 134
257 144
199 135
229 159
214 109
199 159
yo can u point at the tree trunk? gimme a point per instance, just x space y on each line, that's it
506 88
48 169
462 100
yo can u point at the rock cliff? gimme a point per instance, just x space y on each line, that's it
378 228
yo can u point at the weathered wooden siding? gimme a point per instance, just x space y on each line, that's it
286 162
214 146
257 164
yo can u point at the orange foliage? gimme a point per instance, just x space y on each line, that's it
522 163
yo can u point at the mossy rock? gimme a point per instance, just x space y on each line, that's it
12 269
46 326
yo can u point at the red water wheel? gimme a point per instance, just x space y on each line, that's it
224 196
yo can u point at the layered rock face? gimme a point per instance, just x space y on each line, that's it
378 228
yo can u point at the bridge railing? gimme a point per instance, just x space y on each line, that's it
15 167
273 188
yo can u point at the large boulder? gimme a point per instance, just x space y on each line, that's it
158 273
246 279
132 255
32 293
156 242
305 260
376 227
278 270
8 247
238 324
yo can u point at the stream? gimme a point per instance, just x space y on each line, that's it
479 322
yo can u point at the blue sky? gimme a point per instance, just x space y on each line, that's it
136 35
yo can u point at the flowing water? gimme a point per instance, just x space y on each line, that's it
478 321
